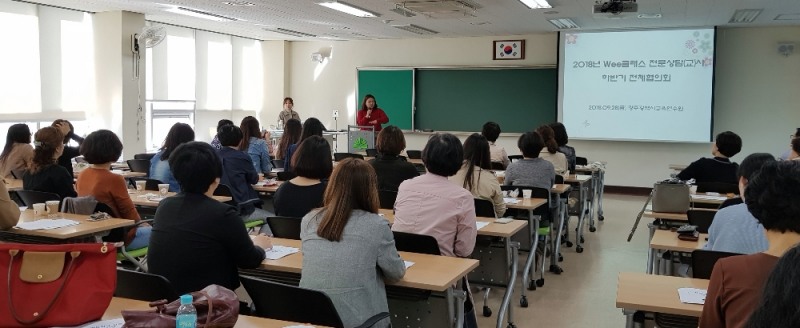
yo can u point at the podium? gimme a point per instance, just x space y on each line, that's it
360 138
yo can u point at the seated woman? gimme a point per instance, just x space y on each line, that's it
737 281
550 152
530 171
348 229
779 305
312 164
255 145
491 131
239 175
291 135
476 175
388 165
100 149
720 168
9 210
562 138
311 127
69 152
192 231
178 134
43 173
17 153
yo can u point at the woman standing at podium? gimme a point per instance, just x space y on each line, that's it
370 114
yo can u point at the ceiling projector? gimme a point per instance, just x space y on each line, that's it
615 7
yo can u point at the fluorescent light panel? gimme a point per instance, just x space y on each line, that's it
199 14
348 8
564 23
745 15
292 32
536 4
415 29
402 10
649 16
787 17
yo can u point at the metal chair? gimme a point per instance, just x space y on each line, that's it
545 212
144 156
581 161
513 158
484 208
414 154
143 286
718 187
285 176
278 163
387 198
139 165
701 218
30 197
498 166
337 157
703 262
285 227
730 202
414 243
371 152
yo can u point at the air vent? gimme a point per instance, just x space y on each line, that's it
292 32
415 29
441 9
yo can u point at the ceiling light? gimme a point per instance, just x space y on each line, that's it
199 14
402 10
745 15
348 8
564 23
415 29
788 17
239 3
649 16
292 32
536 4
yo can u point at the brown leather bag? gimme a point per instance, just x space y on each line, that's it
217 307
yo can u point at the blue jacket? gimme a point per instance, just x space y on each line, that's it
160 171
287 163
238 174
259 154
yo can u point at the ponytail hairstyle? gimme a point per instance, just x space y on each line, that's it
549 138
47 142
476 153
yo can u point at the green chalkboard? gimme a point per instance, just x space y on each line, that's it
393 89
519 99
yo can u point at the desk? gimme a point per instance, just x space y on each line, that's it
698 198
13 184
658 218
583 208
143 201
598 185
529 204
85 228
678 167
430 272
124 174
667 241
651 293
118 304
269 189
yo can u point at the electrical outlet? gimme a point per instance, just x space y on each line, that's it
335 113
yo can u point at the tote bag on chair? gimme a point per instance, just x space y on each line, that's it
55 285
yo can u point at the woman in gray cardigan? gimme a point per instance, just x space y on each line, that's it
348 249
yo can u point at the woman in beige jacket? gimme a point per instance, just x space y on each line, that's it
475 175
17 152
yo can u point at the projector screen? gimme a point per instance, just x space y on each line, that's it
654 85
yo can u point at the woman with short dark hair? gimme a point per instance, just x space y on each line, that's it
348 229
530 171
215 142
720 168
562 138
239 175
390 168
100 149
17 153
476 175
44 174
312 165
491 131
160 170
191 230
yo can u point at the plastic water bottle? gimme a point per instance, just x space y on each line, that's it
187 314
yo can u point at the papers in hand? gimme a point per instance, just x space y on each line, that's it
46 224
481 225
408 264
692 295
279 251
509 200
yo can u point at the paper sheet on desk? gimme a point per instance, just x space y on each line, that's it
279 251
112 323
692 295
509 200
46 224
408 264
481 225
709 197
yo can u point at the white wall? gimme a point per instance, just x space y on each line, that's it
757 91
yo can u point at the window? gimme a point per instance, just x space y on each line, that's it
162 115
20 83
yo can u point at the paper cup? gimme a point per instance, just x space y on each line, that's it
527 193
39 209
693 189
163 189
51 207
140 184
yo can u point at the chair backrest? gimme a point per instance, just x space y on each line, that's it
581 161
372 152
285 227
152 184
484 208
30 197
701 218
730 202
223 190
143 286
144 156
718 187
285 176
278 163
414 243
139 165
559 179
114 235
498 166
341 156
414 154
387 198
512 158
284 302
703 262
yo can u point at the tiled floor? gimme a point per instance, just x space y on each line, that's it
584 295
